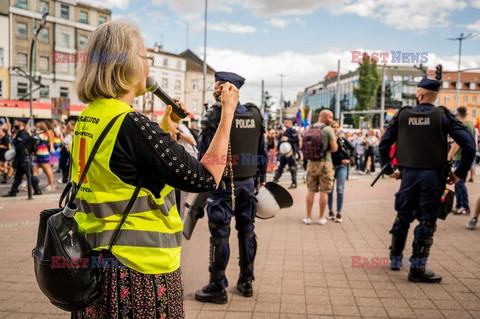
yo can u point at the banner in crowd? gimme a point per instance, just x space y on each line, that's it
60 107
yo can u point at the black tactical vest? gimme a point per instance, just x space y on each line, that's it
245 138
421 140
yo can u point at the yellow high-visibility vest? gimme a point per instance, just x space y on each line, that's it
150 238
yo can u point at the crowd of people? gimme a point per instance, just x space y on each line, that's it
144 168
43 148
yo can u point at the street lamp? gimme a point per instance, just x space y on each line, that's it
459 83
34 39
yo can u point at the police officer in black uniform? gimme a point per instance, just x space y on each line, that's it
421 137
247 159
290 136
22 144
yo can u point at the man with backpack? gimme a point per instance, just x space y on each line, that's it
23 144
318 144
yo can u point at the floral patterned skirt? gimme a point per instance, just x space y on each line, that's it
127 293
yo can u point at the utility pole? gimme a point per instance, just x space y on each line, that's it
459 82
382 99
281 97
262 98
337 100
204 59
35 33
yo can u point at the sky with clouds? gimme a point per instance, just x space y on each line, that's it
304 39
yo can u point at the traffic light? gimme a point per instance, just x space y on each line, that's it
438 72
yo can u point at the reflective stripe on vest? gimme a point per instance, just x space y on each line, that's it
150 239
127 237
142 204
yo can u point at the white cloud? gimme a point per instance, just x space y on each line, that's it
300 69
278 22
400 14
231 27
476 4
475 26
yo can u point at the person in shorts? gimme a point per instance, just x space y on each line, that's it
320 174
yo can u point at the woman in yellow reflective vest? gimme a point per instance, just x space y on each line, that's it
112 71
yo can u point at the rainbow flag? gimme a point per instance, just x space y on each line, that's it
390 114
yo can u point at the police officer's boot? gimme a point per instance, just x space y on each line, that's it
214 292
396 249
421 250
293 171
246 258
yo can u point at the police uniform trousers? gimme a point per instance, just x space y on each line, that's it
418 198
20 170
292 164
219 211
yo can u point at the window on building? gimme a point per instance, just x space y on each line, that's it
178 85
465 98
165 83
22 30
22 88
474 99
63 92
43 36
472 85
445 84
179 65
43 63
83 17
195 85
65 11
1 88
102 20
446 99
22 4
1 57
65 40
62 67
165 62
195 105
82 40
474 113
45 92
43 6
22 60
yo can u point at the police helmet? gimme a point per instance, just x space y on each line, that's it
10 154
271 198
286 149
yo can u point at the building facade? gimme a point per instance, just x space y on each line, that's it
169 71
68 26
469 94
4 51
194 84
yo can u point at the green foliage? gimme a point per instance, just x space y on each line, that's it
267 107
369 81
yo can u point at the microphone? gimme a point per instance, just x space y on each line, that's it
153 87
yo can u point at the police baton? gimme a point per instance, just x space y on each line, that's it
382 171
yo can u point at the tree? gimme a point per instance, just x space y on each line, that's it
267 106
369 80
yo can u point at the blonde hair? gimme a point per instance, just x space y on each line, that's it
113 63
